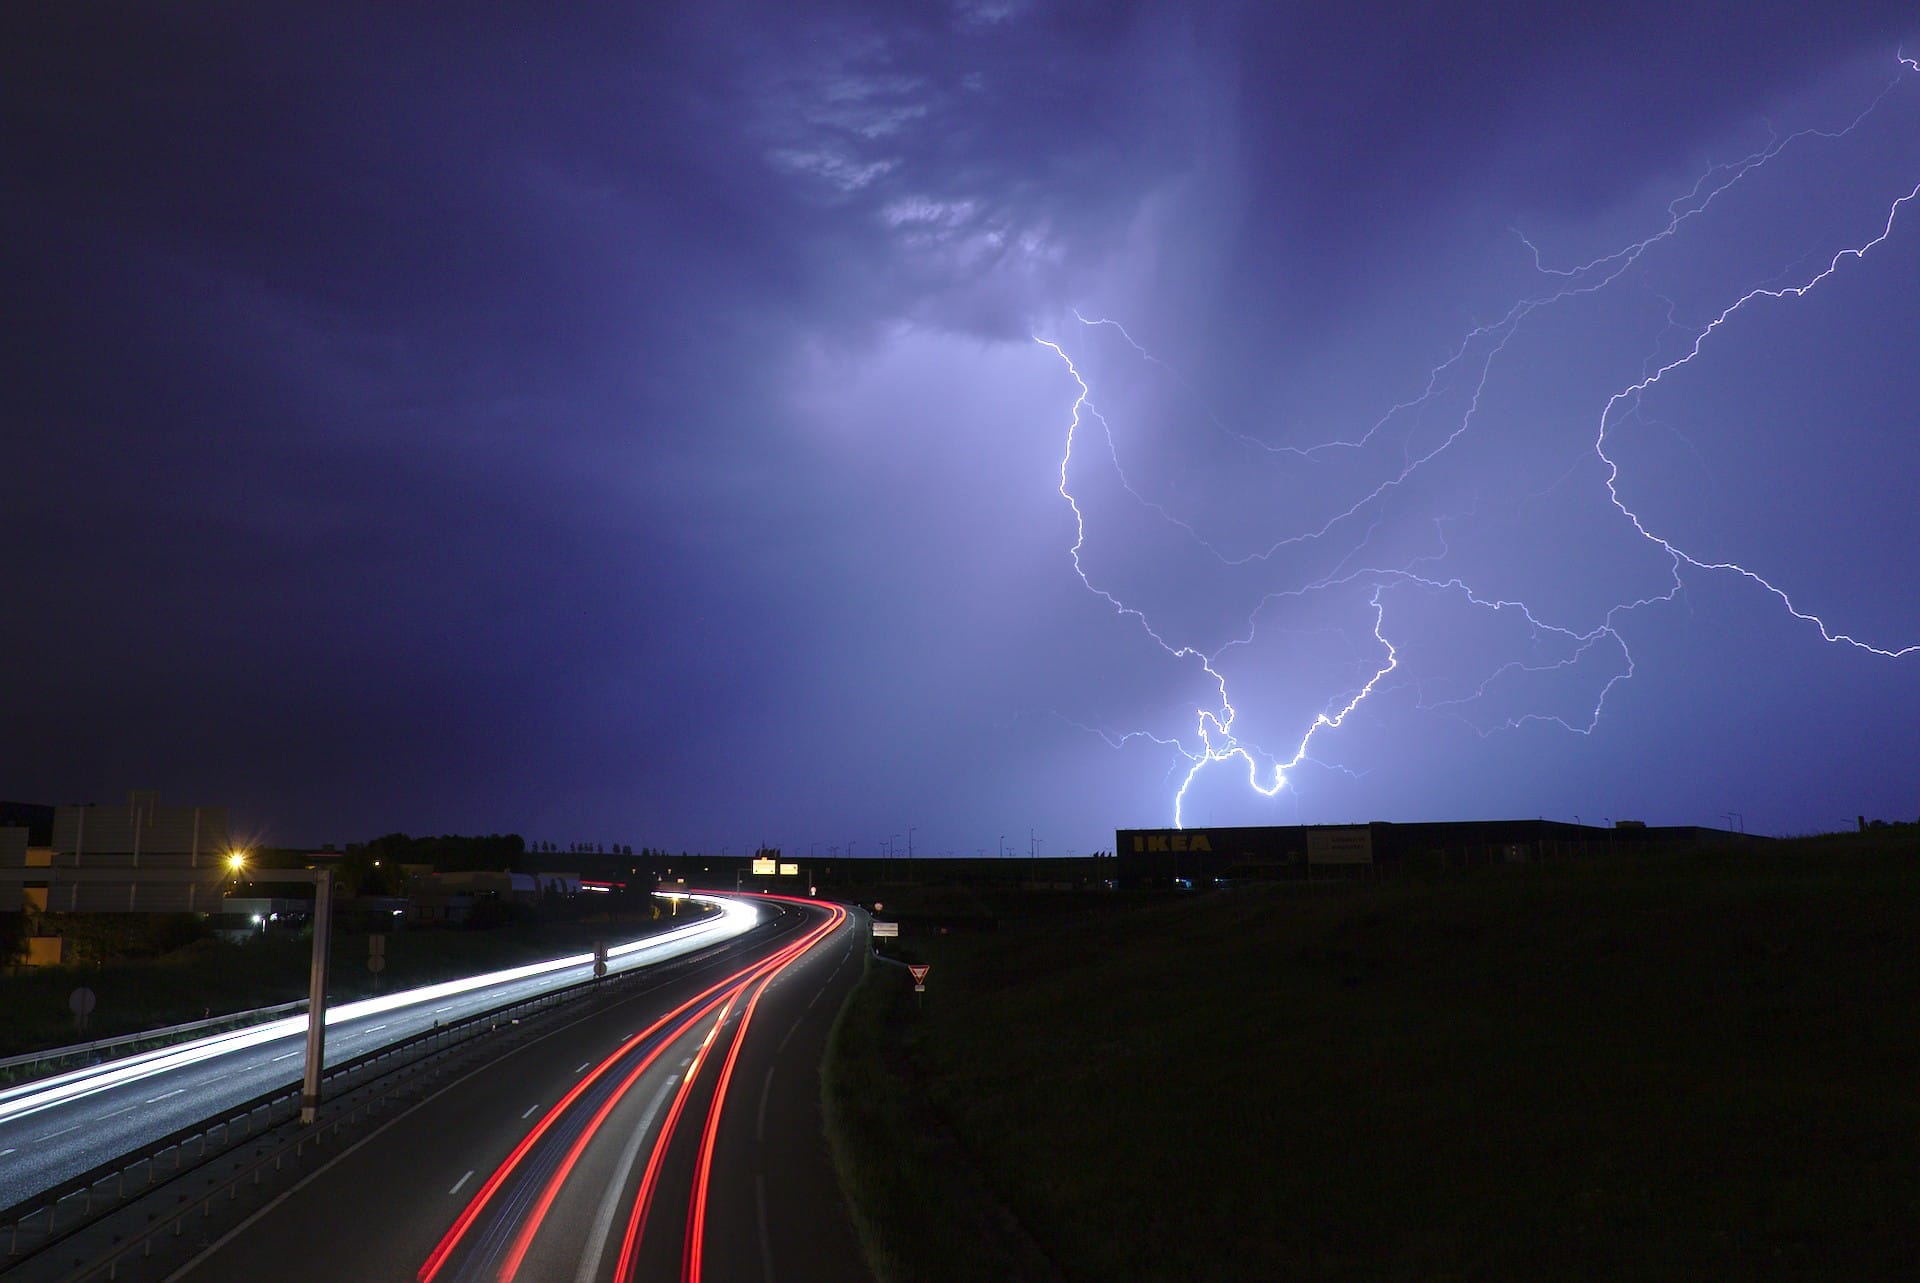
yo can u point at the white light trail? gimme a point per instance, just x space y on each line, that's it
734 917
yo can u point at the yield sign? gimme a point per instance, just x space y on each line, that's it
919 970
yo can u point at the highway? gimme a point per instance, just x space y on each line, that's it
59 1127
674 1133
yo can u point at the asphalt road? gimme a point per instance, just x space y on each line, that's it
675 1133
59 1127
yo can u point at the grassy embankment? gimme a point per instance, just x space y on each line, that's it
1686 1067
210 977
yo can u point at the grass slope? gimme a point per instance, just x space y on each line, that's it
1686 1067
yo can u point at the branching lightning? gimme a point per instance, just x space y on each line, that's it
1469 364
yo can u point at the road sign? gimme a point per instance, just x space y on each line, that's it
377 963
81 1005
599 959
885 929
919 970
376 953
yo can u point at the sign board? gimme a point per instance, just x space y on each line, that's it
1340 846
919 970
599 959
764 868
81 1002
885 929
789 870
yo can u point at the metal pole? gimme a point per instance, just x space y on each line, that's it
317 995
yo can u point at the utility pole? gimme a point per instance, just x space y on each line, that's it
910 829
317 994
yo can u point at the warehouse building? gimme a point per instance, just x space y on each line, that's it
1199 857
141 837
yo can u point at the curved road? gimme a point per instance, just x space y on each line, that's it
59 1127
675 1133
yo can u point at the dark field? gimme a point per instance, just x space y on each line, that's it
1696 1066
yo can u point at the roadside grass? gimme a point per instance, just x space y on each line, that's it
1697 1066
922 1213
212 977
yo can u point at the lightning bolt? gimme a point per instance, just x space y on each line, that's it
1469 364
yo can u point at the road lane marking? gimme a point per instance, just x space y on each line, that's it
462 1181
760 1125
116 1113
5 1152
611 1201
529 1113
62 1132
438 1010
376 1029
220 1243
163 1095
289 1056
766 1247
583 1065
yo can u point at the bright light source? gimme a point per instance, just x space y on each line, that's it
236 861
256 919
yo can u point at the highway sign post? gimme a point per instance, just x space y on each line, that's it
376 956
317 995
322 881
599 959
81 1005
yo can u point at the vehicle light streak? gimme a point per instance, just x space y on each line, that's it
501 1174
636 1224
28 1098
522 1190
697 1212
531 1223
650 1180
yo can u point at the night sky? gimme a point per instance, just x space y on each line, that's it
631 428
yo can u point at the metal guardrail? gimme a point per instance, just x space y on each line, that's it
65 1209
148 1164
126 1044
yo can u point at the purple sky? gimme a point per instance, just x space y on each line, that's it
633 430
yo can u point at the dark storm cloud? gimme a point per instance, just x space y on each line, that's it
630 418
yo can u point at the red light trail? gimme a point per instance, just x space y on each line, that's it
517 1172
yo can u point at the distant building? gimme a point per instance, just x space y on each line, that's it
140 837
13 852
505 884
1210 856
36 819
